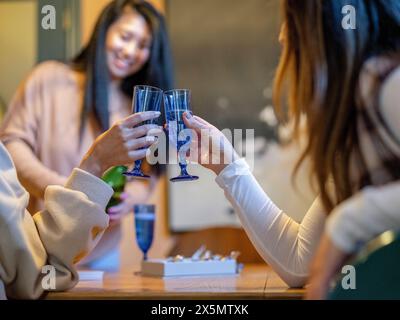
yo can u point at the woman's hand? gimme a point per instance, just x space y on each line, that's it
136 191
214 151
325 266
122 144
125 207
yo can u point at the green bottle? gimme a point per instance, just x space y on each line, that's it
115 179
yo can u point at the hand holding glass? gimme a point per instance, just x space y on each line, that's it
145 98
176 103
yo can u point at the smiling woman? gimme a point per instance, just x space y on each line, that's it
137 52
61 108
128 44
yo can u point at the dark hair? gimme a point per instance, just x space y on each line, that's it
320 69
158 71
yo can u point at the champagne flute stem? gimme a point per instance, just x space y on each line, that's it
183 169
138 164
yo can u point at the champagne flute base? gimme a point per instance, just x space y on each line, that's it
184 178
137 175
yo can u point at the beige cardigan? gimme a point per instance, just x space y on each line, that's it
69 227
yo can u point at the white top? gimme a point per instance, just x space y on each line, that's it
289 246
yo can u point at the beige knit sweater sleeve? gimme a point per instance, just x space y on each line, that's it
69 227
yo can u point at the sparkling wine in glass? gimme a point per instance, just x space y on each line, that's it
144 222
145 98
176 103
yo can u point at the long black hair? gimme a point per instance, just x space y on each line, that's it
158 71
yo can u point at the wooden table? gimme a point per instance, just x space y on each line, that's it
254 282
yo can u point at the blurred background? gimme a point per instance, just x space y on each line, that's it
226 52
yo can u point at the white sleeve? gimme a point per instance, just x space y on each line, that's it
373 210
283 243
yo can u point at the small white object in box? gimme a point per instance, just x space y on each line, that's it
188 267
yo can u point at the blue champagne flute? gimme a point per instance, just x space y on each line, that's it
176 103
144 222
145 98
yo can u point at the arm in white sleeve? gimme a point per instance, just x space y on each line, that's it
374 210
283 243
365 216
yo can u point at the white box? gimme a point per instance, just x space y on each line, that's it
86 275
188 267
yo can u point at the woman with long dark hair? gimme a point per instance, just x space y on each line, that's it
61 108
110 45
346 84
